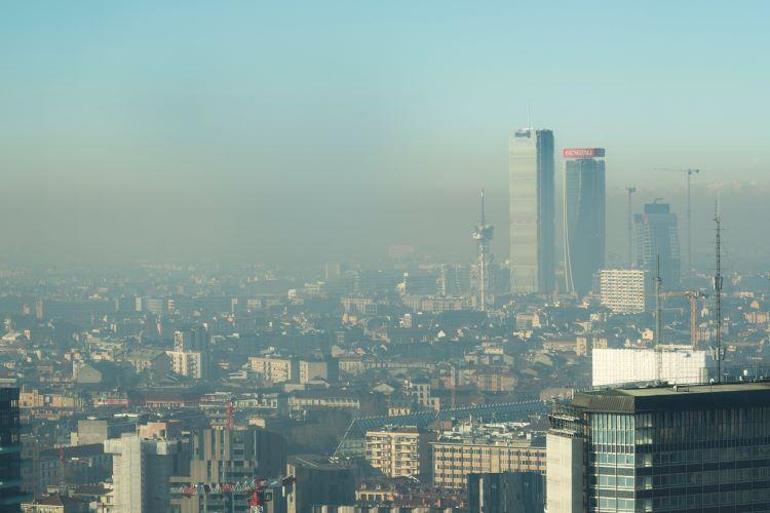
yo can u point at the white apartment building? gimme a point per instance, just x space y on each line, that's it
623 290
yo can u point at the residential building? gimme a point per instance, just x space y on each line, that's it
531 199
192 364
141 471
311 481
399 452
623 290
273 369
471 448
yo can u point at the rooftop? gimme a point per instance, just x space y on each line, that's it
641 399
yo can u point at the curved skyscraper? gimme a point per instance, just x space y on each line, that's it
531 211
584 217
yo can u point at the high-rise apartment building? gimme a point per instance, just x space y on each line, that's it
10 452
657 236
141 471
399 452
623 290
663 449
506 492
311 482
531 199
584 217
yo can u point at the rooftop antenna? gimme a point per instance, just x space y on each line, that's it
718 281
658 323
630 190
483 236
529 115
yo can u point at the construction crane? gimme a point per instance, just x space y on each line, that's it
692 296
630 190
688 172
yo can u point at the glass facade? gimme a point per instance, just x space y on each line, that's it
531 198
691 460
584 222
657 234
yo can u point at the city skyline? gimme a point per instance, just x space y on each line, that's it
194 121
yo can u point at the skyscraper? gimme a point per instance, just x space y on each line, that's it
10 452
657 234
531 194
584 217
662 449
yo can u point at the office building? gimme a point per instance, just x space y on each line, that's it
10 452
311 481
661 449
623 290
506 492
141 472
667 363
584 217
531 199
399 452
657 235
471 448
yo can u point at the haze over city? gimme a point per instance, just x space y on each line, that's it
214 131
384 257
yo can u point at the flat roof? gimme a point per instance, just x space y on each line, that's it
687 397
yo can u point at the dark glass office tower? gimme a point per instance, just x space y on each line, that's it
10 452
686 449
506 492
584 217
657 234
531 196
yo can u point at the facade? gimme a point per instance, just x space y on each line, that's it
531 197
310 370
311 482
10 452
399 452
623 290
192 364
506 492
657 235
485 448
665 449
141 471
219 455
273 369
584 217
676 365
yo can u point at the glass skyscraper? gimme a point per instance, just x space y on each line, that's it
531 194
584 217
657 234
10 452
686 449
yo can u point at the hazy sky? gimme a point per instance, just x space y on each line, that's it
325 129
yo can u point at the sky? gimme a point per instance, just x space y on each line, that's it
260 130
